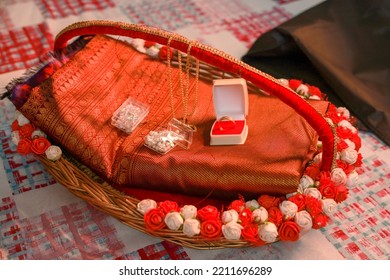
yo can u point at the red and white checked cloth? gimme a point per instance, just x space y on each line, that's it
39 219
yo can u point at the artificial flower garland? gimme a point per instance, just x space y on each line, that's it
266 219
31 140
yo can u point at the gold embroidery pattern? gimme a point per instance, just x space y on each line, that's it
75 107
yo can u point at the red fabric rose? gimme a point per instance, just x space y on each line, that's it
289 231
359 160
251 233
326 185
149 44
294 84
163 54
154 219
315 91
313 206
299 200
26 130
40 145
341 193
169 206
347 168
245 217
313 171
275 216
343 132
268 201
15 125
327 189
355 138
24 147
335 116
208 213
211 229
237 205
341 145
324 177
352 120
320 221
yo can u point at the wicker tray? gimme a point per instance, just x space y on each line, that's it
83 183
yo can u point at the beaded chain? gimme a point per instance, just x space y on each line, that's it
183 86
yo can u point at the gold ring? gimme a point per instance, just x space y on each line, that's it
226 118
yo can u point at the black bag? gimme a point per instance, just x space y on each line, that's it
343 48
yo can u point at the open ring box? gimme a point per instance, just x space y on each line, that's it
230 97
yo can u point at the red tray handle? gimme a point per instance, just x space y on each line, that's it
218 59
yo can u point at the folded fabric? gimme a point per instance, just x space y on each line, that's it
75 105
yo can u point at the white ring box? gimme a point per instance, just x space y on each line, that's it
230 97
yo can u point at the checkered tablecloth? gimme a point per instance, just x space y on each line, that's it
39 219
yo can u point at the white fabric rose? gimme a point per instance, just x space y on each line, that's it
329 206
304 220
53 153
352 179
344 112
15 137
288 209
314 97
22 120
153 51
139 45
174 220
314 192
284 82
229 216
302 90
188 212
338 176
252 204
232 231
260 215
145 205
349 155
38 133
304 183
268 232
350 144
191 227
347 124
318 158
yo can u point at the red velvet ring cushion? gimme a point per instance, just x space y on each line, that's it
75 106
223 127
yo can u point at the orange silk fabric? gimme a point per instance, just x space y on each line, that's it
75 106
